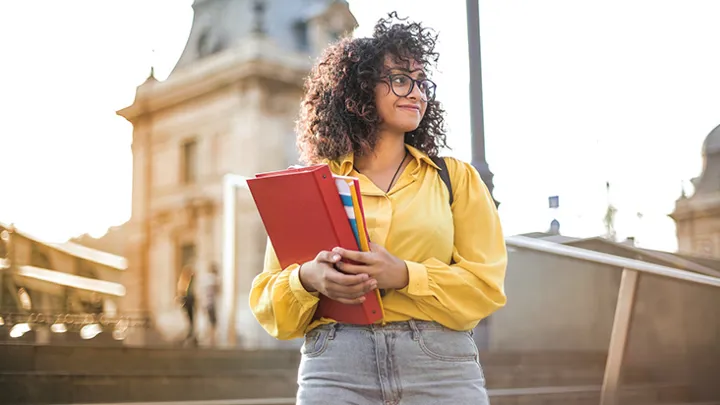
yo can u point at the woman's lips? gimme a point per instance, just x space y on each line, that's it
410 108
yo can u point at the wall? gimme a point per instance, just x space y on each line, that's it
550 300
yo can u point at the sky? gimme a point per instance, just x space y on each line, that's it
576 94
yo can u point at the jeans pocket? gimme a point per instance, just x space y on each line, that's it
447 345
316 341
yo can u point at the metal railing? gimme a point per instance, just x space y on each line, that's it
631 270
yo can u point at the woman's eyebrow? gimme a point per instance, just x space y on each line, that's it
406 70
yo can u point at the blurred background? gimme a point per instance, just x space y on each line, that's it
127 128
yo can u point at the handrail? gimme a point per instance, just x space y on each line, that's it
622 321
611 260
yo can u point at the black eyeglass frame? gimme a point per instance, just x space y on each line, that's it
413 82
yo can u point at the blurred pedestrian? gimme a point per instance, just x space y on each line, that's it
212 290
186 298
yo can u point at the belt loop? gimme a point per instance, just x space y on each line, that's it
333 328
414 329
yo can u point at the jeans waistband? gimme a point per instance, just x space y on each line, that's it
411 325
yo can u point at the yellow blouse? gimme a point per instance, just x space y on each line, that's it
414 222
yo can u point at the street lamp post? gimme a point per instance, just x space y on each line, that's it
482 336
476 97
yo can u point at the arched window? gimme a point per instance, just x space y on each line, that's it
86 269
39 258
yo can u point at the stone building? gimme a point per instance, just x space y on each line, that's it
51 292
229 106
698 217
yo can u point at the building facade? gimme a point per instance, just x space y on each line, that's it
61 292
228 107
697 217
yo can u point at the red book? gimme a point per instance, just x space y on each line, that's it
303 214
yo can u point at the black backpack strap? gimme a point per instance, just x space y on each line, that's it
444 174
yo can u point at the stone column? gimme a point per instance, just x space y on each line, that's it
167 315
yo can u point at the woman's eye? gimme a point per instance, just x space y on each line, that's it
400 80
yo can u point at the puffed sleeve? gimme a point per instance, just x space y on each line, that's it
278 300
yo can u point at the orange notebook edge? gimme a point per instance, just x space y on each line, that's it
362 231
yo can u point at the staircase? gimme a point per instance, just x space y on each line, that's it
549 378
32 374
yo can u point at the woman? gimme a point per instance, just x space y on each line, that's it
370 112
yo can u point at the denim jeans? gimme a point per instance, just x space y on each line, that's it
402 363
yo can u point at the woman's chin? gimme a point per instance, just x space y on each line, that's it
408 126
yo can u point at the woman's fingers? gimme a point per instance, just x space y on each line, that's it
347 286
355 256
354 291
336 277
352 268
355 301
327 257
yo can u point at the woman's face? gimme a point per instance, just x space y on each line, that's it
397 111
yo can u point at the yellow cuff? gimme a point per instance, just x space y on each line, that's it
418 282
304 297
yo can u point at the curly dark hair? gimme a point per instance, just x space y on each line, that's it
338 113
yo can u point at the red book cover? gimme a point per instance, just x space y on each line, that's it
303 215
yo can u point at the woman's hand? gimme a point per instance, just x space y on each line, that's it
378 263
320 276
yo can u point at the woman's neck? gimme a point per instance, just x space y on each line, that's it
389 151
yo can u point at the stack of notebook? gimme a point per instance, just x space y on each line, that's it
349 190
308 210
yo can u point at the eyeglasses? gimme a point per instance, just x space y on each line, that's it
402 85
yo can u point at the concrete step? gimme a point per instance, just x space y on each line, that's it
130 360
68 389
503 370
643 394
256 401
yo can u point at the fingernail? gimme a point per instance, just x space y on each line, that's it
362 299
373 285
336 257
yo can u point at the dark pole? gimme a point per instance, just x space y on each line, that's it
476 98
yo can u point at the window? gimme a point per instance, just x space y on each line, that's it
301 36
85 268
39 258
189 162
335 36
203 43
4 239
